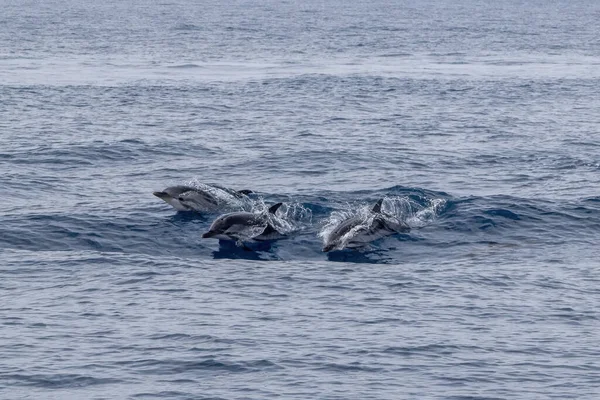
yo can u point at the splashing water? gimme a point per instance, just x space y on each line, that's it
410 211
289 218
395 209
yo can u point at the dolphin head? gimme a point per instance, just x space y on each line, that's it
209 234
218 227
328 247
162 195
217 234
170 196
172 192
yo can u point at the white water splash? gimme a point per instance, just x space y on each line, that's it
411 212
288 218
396 209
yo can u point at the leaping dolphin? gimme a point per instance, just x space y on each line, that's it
358 231
209 198
244 226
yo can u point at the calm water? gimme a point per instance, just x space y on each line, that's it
477 121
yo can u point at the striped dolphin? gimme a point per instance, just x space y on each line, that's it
358 231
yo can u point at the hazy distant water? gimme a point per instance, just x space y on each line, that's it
480 117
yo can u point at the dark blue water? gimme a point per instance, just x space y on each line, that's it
478 120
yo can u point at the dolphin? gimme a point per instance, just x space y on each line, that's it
208 199
244 226
358 231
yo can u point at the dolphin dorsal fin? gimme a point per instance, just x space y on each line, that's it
274 208
245 191
377 206
268 230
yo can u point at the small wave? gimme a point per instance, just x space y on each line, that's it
172 337
395 55
351 367
185 66
55 381
186 27
77 155
595 199
170 394
503 213
171 367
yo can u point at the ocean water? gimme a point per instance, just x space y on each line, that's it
478 122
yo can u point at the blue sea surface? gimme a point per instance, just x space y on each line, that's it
477 121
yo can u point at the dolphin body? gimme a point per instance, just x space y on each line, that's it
356 232
208 199
243 226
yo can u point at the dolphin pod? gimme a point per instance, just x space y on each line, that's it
242 226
